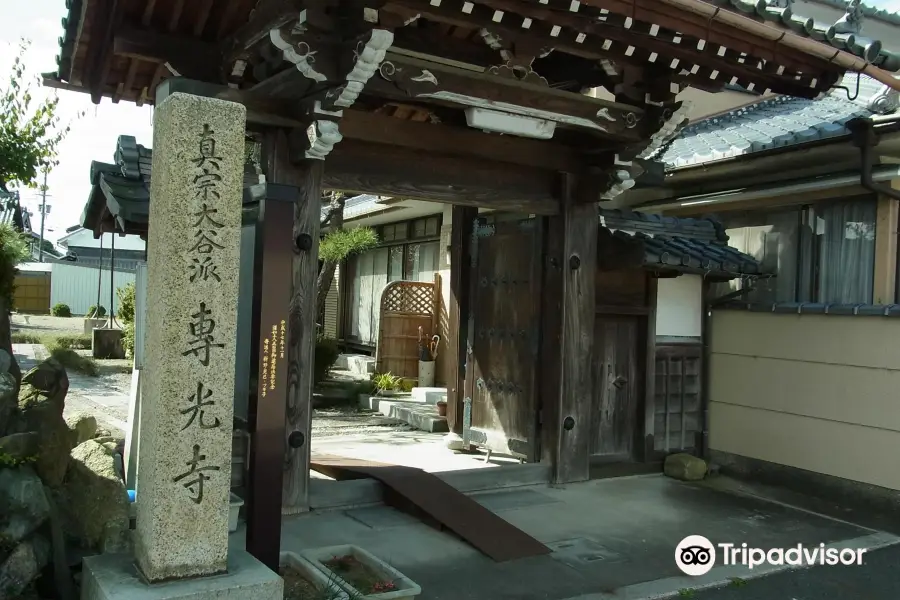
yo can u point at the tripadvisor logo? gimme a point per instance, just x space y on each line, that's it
695 555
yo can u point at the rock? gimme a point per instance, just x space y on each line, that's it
685 467
5 361
22 567
8 401
41 403
23 504
82 426
18 447
97 499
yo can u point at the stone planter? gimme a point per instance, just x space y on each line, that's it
234 510
426 373
314 575
406 587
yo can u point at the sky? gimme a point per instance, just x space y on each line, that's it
93 136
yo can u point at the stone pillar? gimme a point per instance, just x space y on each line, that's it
188 379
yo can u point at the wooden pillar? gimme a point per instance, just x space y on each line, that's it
307 178
648 447
885 276
568 331
462 222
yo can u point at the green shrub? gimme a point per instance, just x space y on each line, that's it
327 353
25 338
69 342
338 245
128 339
71 360
61 310
13 251
126 302
96 312
385 382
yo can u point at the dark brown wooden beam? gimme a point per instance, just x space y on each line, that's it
571 401
268 15
404 78
389 171
307 177
106 12
463 220
457 141
189 56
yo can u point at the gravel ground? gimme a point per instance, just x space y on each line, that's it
351 421
45 324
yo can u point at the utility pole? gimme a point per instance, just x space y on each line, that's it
43 216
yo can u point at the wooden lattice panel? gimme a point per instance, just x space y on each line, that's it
409 297
405 307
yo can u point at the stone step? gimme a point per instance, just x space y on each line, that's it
429 395
421 416
358 364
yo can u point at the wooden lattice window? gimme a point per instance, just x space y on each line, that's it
678 397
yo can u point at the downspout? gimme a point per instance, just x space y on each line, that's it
862 132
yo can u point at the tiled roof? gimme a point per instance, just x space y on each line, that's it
680 245
888 16
842 35
781 121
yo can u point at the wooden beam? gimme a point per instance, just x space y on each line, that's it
648 447
189 56
389 171
462 223
581 38
307 177
446 139
404 78
98 52
268 15
580 224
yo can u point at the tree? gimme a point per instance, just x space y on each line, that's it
30 135
337 245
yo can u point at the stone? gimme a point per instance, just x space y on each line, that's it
113 577
107 344
5 361
22 567
82 426
23 504
96 500
192 291
8 401
91 324
685 467
41 402
19 447
454 441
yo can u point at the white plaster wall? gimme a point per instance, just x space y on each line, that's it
679 306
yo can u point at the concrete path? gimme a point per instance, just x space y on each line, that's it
105 397
877 579
613 539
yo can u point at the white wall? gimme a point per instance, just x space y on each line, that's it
76 286
84 238
679 306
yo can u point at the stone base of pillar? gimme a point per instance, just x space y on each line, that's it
115 577
453 441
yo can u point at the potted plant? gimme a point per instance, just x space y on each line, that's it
386 384
442 406
362 575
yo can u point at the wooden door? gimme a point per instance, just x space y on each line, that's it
500 411
616 386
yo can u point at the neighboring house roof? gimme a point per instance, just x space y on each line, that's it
13 213
358 205
781 121
84 238
671 245
843 35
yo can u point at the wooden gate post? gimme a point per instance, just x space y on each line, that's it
462 222
568 331
307 177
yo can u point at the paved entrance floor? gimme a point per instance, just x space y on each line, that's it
426 451
613 539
